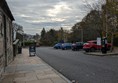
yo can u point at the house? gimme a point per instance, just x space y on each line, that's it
6 36
18 32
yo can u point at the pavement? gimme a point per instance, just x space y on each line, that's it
25 69
99 53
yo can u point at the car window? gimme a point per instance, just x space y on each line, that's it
86 43
79 43
95 42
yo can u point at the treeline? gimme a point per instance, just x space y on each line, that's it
100 22
97 23
49 38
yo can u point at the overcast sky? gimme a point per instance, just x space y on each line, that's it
33 15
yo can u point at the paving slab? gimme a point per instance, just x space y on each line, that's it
99 53
41 81
25 69
58 80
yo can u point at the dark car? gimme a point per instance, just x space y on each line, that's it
66 46
58 46
76 46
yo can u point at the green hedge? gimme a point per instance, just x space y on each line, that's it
28 43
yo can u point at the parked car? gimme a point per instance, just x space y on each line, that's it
58 46
92 46
77 46
66 46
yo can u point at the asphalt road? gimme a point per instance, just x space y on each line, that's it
80 67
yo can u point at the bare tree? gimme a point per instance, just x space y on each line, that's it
93 6
108 10
111 10
96 6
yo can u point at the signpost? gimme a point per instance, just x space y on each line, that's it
98 41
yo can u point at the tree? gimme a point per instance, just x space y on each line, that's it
97 16
91 25
110 11
43 32
75 35
89 28
51 36
109 15
43 36
61 34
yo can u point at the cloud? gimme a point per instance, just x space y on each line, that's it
58 9
33 15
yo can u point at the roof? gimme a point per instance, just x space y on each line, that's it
5 7
16 41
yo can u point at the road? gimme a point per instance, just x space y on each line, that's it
80 67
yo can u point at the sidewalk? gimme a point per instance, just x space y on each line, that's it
25 69
114 53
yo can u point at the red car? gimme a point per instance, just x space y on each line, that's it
91 46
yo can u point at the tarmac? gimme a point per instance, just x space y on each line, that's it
25 69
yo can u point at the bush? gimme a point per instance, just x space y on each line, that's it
28 43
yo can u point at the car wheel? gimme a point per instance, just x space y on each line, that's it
65 48
77 49
92 49
87 50
73 49
109 47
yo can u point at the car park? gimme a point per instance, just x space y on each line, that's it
77 46
66 46
92 46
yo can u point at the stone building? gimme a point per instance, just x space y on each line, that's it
6 36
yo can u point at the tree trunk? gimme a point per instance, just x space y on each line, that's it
112 40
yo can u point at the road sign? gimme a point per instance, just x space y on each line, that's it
98 41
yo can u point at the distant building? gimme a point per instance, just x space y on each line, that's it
37 39
6 42
28 37
18 32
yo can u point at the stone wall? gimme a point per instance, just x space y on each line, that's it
6 43
9 41
2 56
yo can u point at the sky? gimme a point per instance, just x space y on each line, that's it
34 15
